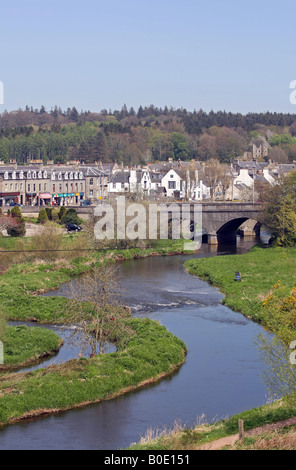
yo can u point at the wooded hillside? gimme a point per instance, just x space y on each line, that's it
145 135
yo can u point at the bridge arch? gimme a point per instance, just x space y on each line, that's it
227 233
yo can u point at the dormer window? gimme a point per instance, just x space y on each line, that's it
34 175
76 175
6 175
13 175
71 175
21 175
45 174
53 176
29 175
81 175
40 175
66 176
60 176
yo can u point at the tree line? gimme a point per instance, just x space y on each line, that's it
137 137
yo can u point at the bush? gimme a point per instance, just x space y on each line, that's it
62 213
49 212
42 217
20 229
71 217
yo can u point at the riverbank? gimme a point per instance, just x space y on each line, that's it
268 276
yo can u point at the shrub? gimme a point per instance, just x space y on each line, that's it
71 217
18 230
42 217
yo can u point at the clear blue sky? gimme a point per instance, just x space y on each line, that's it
232 55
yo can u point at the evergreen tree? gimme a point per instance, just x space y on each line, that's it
42 217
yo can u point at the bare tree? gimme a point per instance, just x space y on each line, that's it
96 308
217 175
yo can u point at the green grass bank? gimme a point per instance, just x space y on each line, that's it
151 354
24 346
261 270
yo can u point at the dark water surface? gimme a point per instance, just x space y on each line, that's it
221 375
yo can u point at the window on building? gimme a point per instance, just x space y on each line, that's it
172 184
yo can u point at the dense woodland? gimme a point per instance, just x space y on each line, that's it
146 135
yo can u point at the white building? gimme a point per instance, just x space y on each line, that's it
201 192
119 182
244 178
172 182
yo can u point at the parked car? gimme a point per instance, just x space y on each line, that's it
73 228
12 204
85 203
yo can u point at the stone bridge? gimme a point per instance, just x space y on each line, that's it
220 221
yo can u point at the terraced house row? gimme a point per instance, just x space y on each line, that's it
41 185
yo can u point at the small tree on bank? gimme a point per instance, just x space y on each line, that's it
97 310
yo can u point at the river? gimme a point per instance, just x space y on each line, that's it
221 375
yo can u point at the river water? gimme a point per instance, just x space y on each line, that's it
221 375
